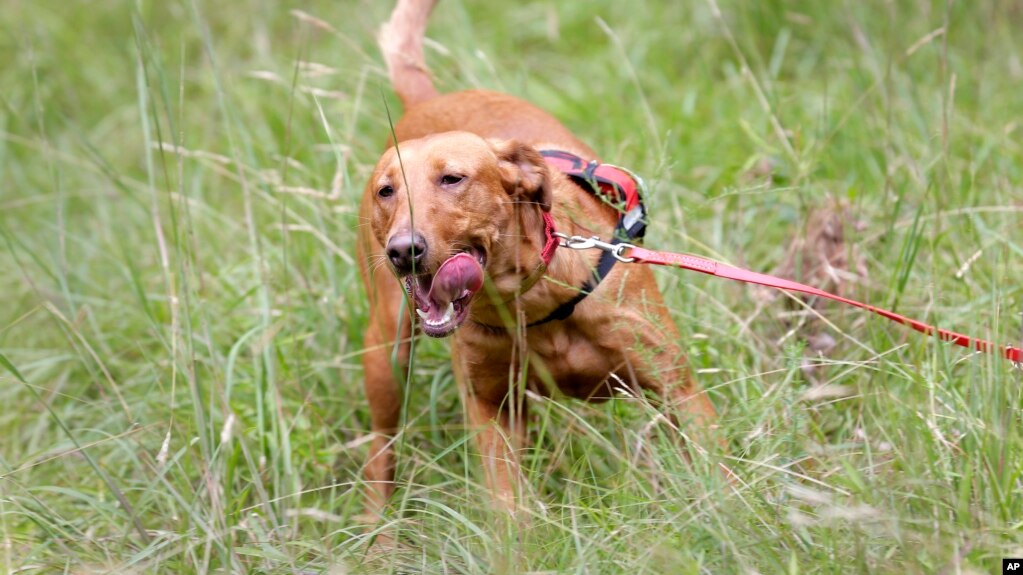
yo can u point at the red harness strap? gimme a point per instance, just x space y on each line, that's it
713 268
550 240
614 183
551 243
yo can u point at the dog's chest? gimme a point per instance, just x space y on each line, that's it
580 366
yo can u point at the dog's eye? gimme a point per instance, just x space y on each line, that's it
451 180
385 192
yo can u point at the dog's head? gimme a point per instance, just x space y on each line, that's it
443 207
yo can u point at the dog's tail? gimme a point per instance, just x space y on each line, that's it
401 40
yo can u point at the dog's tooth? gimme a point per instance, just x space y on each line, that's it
465 293
448 315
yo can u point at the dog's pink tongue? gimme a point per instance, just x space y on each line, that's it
459 273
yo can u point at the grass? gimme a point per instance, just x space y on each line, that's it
181 336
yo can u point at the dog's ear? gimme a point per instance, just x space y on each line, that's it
523 172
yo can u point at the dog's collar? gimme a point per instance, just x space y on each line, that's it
612 185
551 243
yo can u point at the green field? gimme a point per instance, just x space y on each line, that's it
180 338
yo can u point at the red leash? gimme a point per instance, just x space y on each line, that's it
627 253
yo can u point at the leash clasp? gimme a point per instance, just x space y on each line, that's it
593 242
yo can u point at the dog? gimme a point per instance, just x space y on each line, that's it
458 220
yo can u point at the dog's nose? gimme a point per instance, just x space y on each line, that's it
406 250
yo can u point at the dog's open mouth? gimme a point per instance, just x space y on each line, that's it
442 298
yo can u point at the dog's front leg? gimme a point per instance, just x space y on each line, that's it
388 332
498 416
500 437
